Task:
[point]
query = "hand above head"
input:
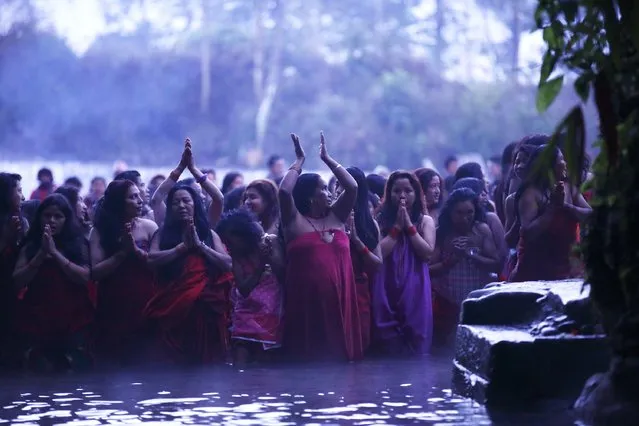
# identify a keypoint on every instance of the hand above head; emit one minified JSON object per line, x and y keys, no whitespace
{"x":187,"y":155}
{"x":323,"y":152}
{"x":299,"y":151}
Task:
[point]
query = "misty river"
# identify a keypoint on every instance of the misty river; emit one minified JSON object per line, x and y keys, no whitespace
{"x":415,"y":391}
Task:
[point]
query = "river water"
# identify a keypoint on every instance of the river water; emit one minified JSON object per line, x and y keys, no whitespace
{"x":371,"y":392}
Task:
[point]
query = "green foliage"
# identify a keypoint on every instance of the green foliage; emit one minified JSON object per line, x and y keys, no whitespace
{"x":598,"y":41}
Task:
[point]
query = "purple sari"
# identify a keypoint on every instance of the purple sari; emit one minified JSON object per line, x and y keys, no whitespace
{"x":402,"y":305}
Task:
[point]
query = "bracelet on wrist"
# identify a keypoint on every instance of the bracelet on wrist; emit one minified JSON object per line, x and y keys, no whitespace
{"x":174,"y":176}
{"x":365,"y":250}
{"x":201,"y":179}
{"x":295,"y":169}
{"x":411,"y":231}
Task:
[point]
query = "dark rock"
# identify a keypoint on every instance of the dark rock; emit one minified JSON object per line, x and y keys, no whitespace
{"x":517,"y":342}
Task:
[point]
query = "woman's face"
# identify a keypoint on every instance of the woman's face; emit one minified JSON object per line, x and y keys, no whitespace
{"x":53,"y":217}
{"x":81,"y":210}
{"x":521,"y":159}
{"x":463,"y":216}
{"x":254,"y":201}
{"x":133,"y":203}
{"x":402,"y":190}
{"x":433,"y":191}
{"x":183,"y":205}
{"x":98,"y":187}
{"x":561,"y":171}
{"x":17,"y":197}
{"x":237,"y":182}
{"x":322,"y":197}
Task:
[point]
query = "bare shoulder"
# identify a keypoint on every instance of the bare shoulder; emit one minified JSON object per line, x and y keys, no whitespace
{"x":483,"y":229}
{"x":492,"y":218}
{"x":427,"y":222}
{"x":147,"y":224}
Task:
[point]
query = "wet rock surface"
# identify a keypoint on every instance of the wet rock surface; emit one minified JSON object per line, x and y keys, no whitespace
{"x":527,"y":341}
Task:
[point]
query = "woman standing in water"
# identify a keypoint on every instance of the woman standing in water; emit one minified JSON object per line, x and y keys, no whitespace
{"x":464,"y":257}
{"x":549,"y":210}
{"x":119,"y":244}
{"x":12,"y":231}
{"x":257,"y":295}
{"x":192,"y":307}
{"x":366,"y":254}
{"x":322,"y":320}
{"x":55,"y":308}
{"x":402,"y":305}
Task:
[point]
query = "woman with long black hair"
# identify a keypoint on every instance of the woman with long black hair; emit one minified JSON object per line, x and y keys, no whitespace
{"x":55,"y":310}
{"x":192,"y":307}
{"x":366,"y":254}
{"x":120,"y":242}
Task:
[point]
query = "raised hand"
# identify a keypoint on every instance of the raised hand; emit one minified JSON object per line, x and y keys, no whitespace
{"x":187,"y":154}
{"x":350,"y":226}
{"x":48,"y":245}
{"x":299,"y":151}
{"x":404,"y":212}
{"x":197,"y":243}
{"x":128,"y":241}
{"x":266,"y":249}
{"x":323,"y":152}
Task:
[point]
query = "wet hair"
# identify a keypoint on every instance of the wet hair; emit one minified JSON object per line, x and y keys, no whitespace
{"x":476,"y":185}
{"x":445,"y":222}
{"x":132,"y":175}
{"x":304,"y":191}
{"x":273,"y":159}
{"x":472,"y":170}
{"x":110,"y":217}
{"x":69,"y":241}
{"x":535,"y":140}
{"x":73,"y":181}
{"x":450,"y":159}
{"x":376,"y":184}
{"x":388,"y":212}
{"x":8,"y":182}
{"x":241,"y":223}
{"x":71,"y":193}
{"x":269,"y":193}
{"x":538,"y":175}
{"x":364,"y":222}
{"x":425,"y":175}
{"x":228,"y":181}
{"x":28,"y":210}
{"x":233,"y":200}
{"x":171,"y":232}
{"x":44,"y":172}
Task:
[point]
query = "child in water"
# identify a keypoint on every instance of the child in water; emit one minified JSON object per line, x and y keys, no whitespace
{"x":257,"y":295}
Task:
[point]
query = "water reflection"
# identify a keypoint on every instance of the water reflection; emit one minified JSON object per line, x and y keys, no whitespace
{"x":374,"y":392}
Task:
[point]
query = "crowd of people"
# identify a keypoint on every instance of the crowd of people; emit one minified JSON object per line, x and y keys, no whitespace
{"x":290,"y":267}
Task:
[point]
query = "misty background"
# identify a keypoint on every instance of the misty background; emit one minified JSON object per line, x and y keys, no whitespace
{"x":390,"y":82}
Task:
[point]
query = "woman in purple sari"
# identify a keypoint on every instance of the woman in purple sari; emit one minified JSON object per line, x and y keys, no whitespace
{"x":402,"y":306}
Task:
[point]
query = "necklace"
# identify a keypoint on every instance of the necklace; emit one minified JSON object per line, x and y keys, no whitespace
{"x":326,"y":236}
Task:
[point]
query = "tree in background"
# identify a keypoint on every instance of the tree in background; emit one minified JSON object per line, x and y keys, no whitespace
{"x":598,"y":41}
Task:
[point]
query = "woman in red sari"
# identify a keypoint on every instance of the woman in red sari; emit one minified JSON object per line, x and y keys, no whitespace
{"x":549,"y":210}
{"x":120,"y":243}
{"x":12,"y":230}
{"x":192,"y":307}
{"x":366,"y":253}
{"x":321,"y":316}
{"x":55,"y":309}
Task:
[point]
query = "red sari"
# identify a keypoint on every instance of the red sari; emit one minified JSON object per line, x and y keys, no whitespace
{"x":192,"y":313}
{"x":547,"y":257}
{"x":122,"y":297}
{"x":321,"y":315}
{"x":363,"y":291}
{"x":53,"y":310}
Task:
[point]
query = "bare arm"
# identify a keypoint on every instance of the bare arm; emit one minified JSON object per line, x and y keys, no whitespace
{"x":372,"y":258}
{"x":423,"y":241}
{"x":512,"y":225}
{"x":26,"y":270}
{"x":532,"y":224}
{"x":498,"y":234}
{"x":79,"y":274}
{"x":288,"y":211}
{"x":579,"y":208}
{"x":217,"y":255}
{"x":159,"y":257}
{"x":487,"y":256}
{"x":103,"y":267}
{"x":387,"y":244}
{"x":217,"y":198}
{"x":158,"y":200}
{"x":343,"y":206}
{"x":246,"y":282}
